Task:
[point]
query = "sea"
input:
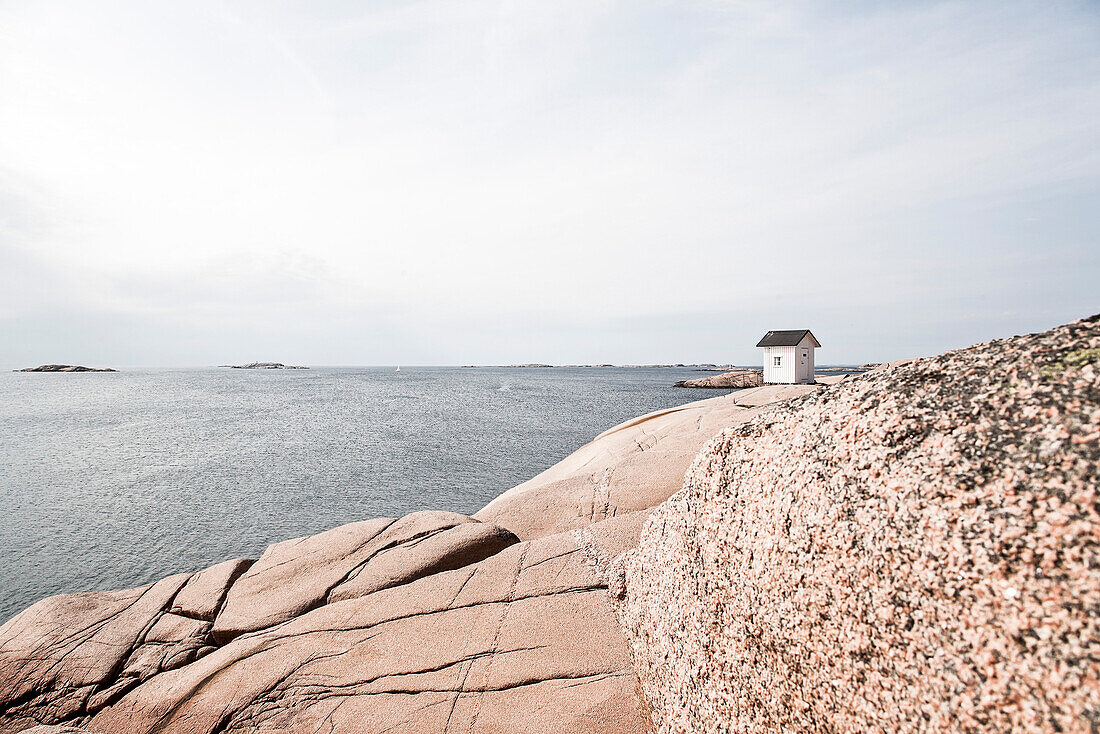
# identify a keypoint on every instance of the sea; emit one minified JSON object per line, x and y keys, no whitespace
{"x":113,"y":480}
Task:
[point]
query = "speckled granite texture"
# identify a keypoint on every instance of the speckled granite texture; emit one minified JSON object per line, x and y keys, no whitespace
{"x":916,"y":549}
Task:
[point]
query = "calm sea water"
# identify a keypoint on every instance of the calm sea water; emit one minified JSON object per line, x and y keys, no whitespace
{"x":111,"y":480}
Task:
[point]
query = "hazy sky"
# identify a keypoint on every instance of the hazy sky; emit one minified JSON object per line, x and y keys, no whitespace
{"x":446,"y":182}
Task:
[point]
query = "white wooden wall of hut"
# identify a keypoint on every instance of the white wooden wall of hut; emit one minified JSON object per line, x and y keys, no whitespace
{"x":785,"y":372}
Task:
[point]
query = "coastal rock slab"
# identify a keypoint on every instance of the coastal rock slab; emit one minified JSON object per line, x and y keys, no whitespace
{"x":295,"y":576}
{"x":204,"y":593}
{"x":69,"y":654}
{"x":916,"y":549}
{"x":633,"y":466}
{"x":525,"y":640}
{"x":457,"y":546}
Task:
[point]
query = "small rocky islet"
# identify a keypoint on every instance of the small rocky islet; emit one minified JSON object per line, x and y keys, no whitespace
{"x":735,"y":379}
{"x":265,"y":366}
{"x":911,"y":549}
{"x":65,"y":368}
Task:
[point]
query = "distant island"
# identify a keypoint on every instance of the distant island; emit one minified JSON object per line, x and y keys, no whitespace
{"x":264,"y":366}
{"x":64,"y":368}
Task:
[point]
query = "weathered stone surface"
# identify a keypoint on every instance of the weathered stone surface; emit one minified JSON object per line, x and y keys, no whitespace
{"x":204,"y":593}
{"x":727,"y":380}
{"x":66,"y":655}
{"x":631,"y":467}
{"x":457,"y":546}
{"x":295,"y":576}
{"x":172,"y":641}
{"x":916,"y":549}
{"x":522,"y":641}
{"x":890,"y":365}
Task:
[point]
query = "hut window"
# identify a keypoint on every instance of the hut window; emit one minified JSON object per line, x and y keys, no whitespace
{"x":777,"y":361}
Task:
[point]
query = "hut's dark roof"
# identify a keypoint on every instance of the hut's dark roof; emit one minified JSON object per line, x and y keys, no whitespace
{"x":787,"y":338}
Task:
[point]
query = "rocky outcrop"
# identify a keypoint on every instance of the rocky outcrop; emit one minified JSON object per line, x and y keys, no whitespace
{"x":65,"y":368}
{"x":296,"y":576}
{"x":633,"y":466}
{"x":265,"y":366}
{"x":72,"y":656}
{"x":916,"y":549}
{"x":524,"y":640}
{"x":726,"y":380}
{"x":890,"y":365}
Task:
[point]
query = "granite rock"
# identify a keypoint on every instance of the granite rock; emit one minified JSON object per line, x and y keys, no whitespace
{"x":633,"y":466}
{"x":726,"y":380}
{"x":68,"y":655}
{"x":913,"y":550}
{"x":525,"y":640}
{"x":298,"y":575}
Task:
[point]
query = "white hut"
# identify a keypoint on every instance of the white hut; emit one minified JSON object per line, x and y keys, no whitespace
{"x":789,"y":356}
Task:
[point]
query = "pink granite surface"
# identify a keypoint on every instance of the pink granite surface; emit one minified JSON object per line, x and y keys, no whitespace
{"x":916,"y":549}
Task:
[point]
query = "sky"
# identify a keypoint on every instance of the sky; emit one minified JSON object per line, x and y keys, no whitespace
{"x":439,"y":182}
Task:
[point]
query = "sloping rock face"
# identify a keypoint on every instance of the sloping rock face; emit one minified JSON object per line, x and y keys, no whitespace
{"x":734,"y":379}
{"x":633,"y":466}
{"x":917,"y":549}
{"x":296,"y":576}
{"x":524,"y":640}
{"x":71,"y":655}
